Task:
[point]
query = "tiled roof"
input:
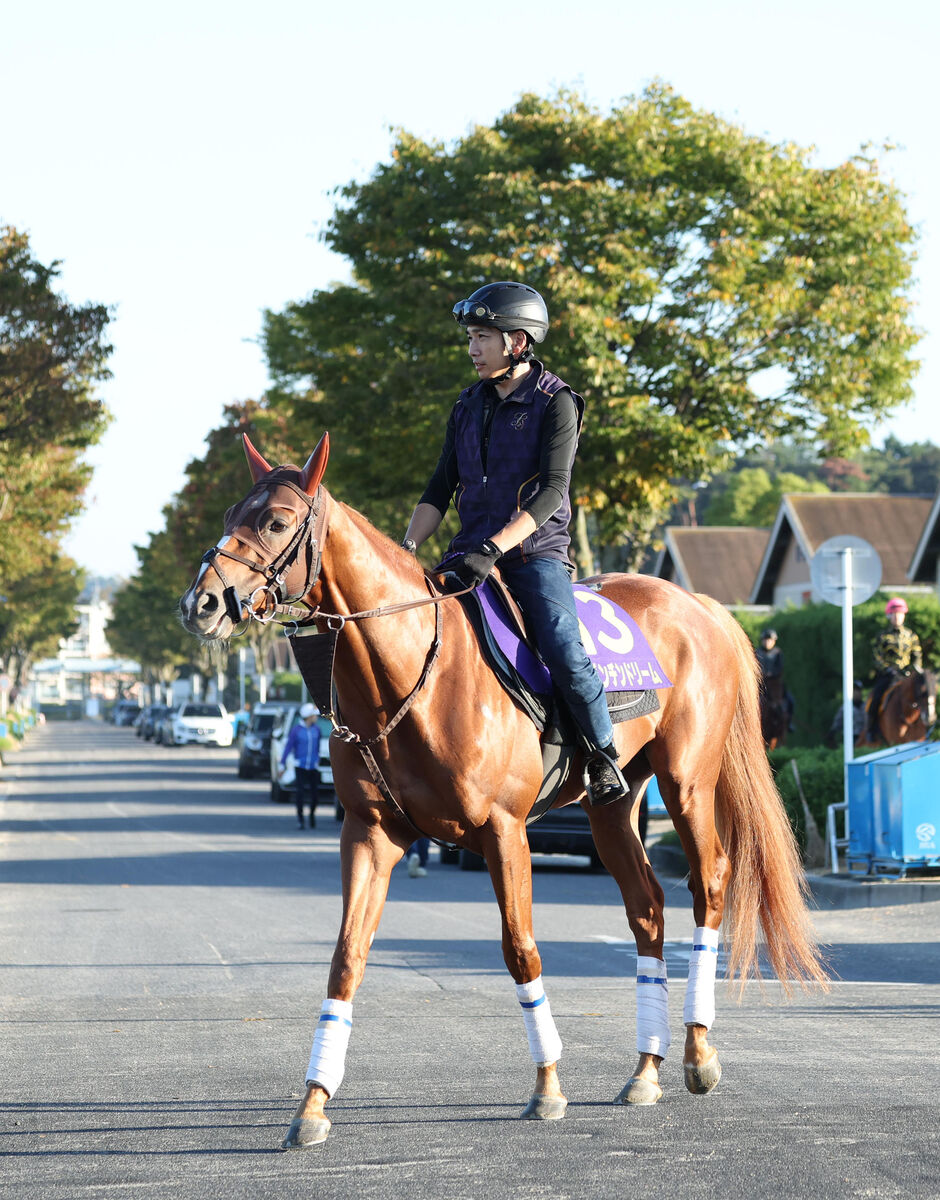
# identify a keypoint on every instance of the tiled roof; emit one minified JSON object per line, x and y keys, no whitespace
{"x":892,"y":524}
{"x":721,"y":561}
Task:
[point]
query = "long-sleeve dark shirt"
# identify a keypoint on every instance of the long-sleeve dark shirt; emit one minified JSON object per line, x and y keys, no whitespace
{"x":559,"y":442}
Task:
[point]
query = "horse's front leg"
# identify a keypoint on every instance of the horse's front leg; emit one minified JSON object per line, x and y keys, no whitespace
{"x":510,"y":867}
{"x":367,"y":854}
{"x":617,"y":839}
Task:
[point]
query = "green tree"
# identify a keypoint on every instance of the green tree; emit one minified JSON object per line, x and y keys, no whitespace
{"x":53,"y":355}
{"x":902,"y":468}
{"x":144,"y":624}
{"x":707,"y":289}
{"x":752,"y":497}
{"x":37,"y":609}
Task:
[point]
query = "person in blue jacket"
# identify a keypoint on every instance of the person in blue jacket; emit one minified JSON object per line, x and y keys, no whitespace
{"x":506,"y":462}
{"x":303,"y":742}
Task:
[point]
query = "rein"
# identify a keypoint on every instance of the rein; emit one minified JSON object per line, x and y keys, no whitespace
{"x":315,"y":656}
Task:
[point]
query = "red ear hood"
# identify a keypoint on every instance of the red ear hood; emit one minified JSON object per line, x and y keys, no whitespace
{"x":256,"y":464}
{"x":315,"y":467}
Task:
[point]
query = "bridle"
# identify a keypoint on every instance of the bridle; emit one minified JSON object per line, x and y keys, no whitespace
{"x":275,"y":593}
{"x":279,"y":599}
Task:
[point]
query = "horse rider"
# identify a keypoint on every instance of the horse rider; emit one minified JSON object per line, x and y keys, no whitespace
{"x":896,"y":651}
{"x":770,"y":660}
{"x":770,"y":656}
{"x":508,"y":451}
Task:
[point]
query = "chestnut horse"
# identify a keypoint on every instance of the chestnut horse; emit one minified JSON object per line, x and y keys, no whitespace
{"x":450,"y":754}
{"x":908,"y":709}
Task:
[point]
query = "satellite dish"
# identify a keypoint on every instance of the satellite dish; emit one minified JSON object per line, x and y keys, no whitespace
{"x":845,"y":558}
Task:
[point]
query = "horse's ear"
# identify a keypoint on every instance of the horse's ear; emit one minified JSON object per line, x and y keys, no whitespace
{"x":315,"y":467}
{"x":256,"y":464}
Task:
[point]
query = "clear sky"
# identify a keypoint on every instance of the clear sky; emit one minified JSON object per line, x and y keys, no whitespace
{"x":179,"y":159}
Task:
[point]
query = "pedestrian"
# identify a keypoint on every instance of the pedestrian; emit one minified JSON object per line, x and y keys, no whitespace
{"x":896,"y":651}
{"x":240,"y":721}
{"x":303,"y":742}
{"x":417,"y":858}
{"x":507,"y":455}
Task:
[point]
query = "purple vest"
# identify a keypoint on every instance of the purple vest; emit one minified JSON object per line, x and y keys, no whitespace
{"x":486,"y":503}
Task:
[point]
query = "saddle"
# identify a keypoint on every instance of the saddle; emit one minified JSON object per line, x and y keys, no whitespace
{"x":621,"y":655}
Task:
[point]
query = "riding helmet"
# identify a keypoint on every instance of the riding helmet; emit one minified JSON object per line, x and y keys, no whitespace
{"x":769,"y":633}
{"x":896,"y":604}
{"x":505,"y":306}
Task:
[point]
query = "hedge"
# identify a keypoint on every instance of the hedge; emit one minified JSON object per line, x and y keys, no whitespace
{"x":821,"y":777}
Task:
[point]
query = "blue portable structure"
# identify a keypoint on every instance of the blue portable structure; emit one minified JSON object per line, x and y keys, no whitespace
{"x":654,"y":800}
{"x":894,"y":810}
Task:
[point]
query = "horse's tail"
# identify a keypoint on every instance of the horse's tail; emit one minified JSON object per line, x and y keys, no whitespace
{"x":768,"y":890}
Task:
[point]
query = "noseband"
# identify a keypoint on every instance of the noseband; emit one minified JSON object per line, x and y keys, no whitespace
{"x":308,"y":537}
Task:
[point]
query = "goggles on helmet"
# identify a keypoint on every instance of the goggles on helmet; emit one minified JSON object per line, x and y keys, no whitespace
{"x":466,"y":310}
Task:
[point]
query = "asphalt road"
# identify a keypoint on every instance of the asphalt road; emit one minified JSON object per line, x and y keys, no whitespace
{"x":166,"y":933}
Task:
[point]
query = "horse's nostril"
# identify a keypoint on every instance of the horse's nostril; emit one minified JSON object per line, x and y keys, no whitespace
{"x":206,"y":604}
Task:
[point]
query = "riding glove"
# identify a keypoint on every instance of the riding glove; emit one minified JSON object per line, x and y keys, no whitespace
{"x":474,"y":566}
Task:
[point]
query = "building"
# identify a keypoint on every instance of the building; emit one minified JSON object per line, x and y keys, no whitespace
{"x":721,"y":561}
{"x":893,"y":525}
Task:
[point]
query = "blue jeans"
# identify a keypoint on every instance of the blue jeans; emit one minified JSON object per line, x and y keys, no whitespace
{"x":420,"y":847}
{"x":543,"y":588}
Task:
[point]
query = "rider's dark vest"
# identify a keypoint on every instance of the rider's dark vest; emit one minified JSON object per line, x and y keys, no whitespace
{"x":487,"y":502}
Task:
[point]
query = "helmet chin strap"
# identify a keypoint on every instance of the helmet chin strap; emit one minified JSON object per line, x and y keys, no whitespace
{"x":515,"y":360}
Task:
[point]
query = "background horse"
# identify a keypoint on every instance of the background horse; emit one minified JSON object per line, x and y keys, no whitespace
{"x":774,"y":718}
{"x":427,"y":738}
{"x":908,"y":709}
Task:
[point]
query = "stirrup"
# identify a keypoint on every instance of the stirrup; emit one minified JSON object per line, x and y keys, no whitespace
{"x":611,"y":797}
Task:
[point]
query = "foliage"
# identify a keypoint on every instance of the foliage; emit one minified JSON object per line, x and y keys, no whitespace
{"x":708,"y":290}
{"x":53,"y":354}
{"x":822,"y":776}
{"x":145,"y":624}
{"x":901,"y":468}
{"x":751,"y":497}
{"x":37,"y":610}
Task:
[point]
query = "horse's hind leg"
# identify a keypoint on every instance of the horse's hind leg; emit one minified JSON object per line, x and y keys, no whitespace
{"x":621,"y":852}
{"x":510,"y":867}
{"x":368,"y":855}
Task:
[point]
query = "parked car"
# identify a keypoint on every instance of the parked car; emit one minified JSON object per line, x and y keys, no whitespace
{"x":561,"y":831}
{"x":197,"y":722}
{"x":125,"y":712}
{"x":254,"y":756}
{"x":282,"y":790}
{"x":149,"y":718}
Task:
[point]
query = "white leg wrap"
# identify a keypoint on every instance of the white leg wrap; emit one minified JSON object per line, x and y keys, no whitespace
{"x":544,"y":1042}
{"x":652,"y":1006}
{"x":699,"y":1006}
{"x":328,"y":1056}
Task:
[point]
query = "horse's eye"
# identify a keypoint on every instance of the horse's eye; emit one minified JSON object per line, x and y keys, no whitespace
{"x":277,"y":526}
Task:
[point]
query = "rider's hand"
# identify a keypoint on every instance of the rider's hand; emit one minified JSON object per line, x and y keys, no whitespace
{"x":474,"y":566}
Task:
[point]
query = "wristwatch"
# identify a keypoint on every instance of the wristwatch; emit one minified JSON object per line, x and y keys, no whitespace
{"x":410,"y":545}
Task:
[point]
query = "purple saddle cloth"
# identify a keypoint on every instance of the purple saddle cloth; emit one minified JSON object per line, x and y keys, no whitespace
{"x":613,"y":640}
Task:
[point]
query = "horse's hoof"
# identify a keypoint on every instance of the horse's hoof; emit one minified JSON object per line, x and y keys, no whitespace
{"x":305,"y":1132}
{"x":701,"y":1079}
{"x":640,"y":1091}
{"x":545,"y":1108}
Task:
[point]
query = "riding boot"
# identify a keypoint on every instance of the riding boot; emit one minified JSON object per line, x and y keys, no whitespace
{"x":603,"y":779}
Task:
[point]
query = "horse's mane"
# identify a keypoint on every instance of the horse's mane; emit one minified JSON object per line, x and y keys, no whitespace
{"x":405,"y":563}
